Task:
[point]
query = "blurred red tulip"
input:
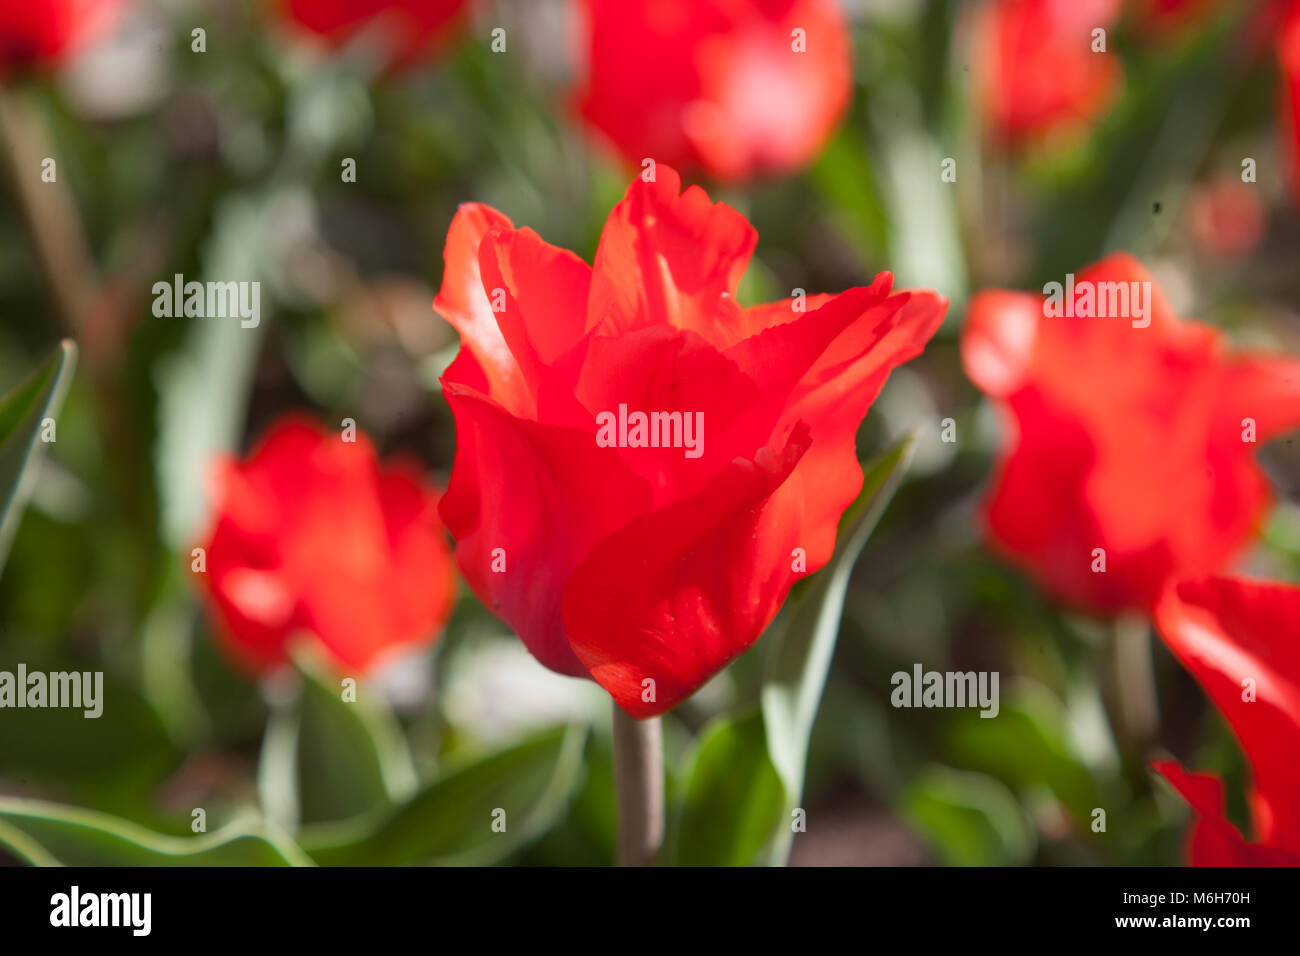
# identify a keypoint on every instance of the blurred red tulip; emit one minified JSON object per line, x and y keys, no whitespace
{"x":659,"y":556}
{"x":1037,"y":70}
{"x":311,"y":535}
{"x":737,"y":87}
{"x":44,"y":33}
{"x":410,"y":29}
{"x":1239,"y":639}
{"x":1136,"y":441}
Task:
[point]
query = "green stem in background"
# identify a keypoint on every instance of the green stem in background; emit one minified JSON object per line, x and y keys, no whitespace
{"x":47,"y":212}
{"x":639,"y":783}
{"x":1135,"y":714}
{"x":94,"y":312}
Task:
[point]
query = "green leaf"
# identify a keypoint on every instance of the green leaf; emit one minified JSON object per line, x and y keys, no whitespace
{"x":351,"y":756}
{"x":203,"y":387}
{"x":924,"y":243}
{"x":277,"y":769}
{"x":450,"y":822}
{"x":1027,"y":746}
{"x":47,"y":834}
{"x":848,"y":180}
{"x":734,"y":797}
{"x":969,"y":819}
{"x":21,"y":413}
{"x":115,"y":760}
{"x":802,"y":642}
{"x":585,"y":835}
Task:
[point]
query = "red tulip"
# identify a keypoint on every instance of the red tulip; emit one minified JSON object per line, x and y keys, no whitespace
{"x":311,"y":535}
{"x":410,"y":29}
{"x":1037,"y":72}
{"x":1239,"y":639}
{"x":43,"y":33}
{"x":1136,"y":441}
{"x":737,"y":87}
{"x":651,"y":568}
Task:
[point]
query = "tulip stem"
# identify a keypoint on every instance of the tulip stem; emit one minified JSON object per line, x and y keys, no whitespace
{"x":47,"y":212}
{"x":639,"y":783}
{"x":1134,"y":684}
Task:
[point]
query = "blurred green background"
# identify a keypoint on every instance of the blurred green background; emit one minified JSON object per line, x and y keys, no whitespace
{"x":228,"y":163}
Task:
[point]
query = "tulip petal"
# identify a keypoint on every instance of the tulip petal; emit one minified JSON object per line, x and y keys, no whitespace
{"x":827,"y":367}
{"x":1038,"y":72}
{"x":255,"y":605}
{"x":667,"y":258}
{"x":424,"y":588}
{"x":1212,"y":841}
{"x":835,"y":395}
{"x":545,"y":496}
{"x":1264,"y":389}
{"x":997,"y":343}
{"x":666,"y":370}
{"x":740,"y":88}
{"x":1235,"y":636}
{"x":540,"y":296}
{"x":769,"y":106}
{"x":52,"y":32}
{"x":756,"y":318}
{"x":547,"y":285}
{"x":680,"y":592}
{"x":788,"y":351}
{"x":463,"y":301}
{"x":641,"y":73}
